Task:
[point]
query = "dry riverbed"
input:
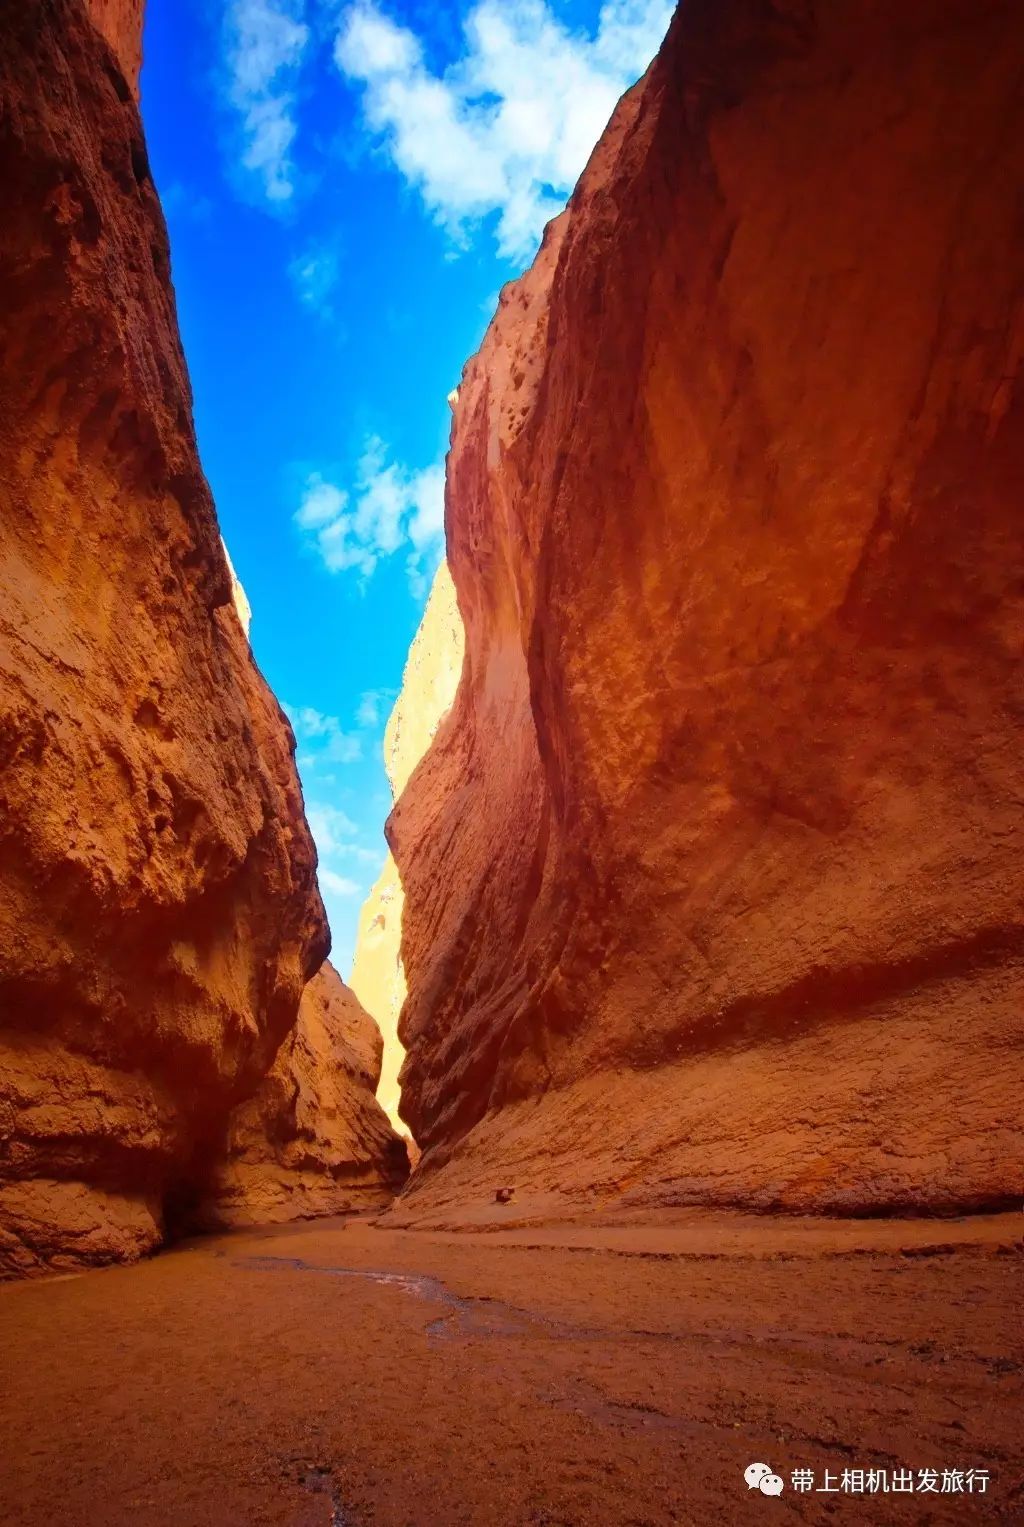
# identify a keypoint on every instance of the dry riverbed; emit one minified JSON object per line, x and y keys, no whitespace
{"x":601,"y":1372}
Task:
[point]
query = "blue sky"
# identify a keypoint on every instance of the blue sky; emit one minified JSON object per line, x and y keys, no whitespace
{"x":347,"y":187}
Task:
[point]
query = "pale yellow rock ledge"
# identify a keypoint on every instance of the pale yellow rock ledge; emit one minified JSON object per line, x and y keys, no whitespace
{"x":431,"y":677}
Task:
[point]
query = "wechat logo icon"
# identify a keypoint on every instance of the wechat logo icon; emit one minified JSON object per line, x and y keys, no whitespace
{"x":759,"y":1476}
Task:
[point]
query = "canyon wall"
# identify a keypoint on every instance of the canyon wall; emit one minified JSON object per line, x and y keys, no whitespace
{"x":313,"y":1140}
{"x":429,"y":682}
{"x":119,"y":22}
{"x":159,"y":915}
{"x":713,"y":875}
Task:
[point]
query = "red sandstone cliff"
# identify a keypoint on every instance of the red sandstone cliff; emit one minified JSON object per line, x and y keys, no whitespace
{"x":120,"y":24}
{"x":159,"y":916}
{"x":313,"y":1140}
{"x":713,"y":876}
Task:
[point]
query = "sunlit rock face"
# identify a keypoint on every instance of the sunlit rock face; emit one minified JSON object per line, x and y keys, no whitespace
{"x":378,"y":978}
{"x":712,"y":876}
{"x":313,"y":1140}
{"x":159,"y":916}
{"x":119,"y":22}
{"x":239,"y":598}
{"x":429,"y":683}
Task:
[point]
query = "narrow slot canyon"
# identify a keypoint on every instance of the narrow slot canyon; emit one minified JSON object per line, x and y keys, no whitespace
{"x":625,"y":1125}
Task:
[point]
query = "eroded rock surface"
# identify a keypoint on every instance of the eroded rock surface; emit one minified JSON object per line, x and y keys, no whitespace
{"x":119,"y":22}
{"x":159,"y":916}
{"x":429,"y":682}
{"x":313,"y":1140}
{"x":713,"y":879}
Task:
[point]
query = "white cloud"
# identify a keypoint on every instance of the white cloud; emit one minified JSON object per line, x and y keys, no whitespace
{"x":373,"y":706}
{"x":266,"y":42}
{"x":630,"y":32}
{"x":379,"y":45}
{"x":426,"y":492}
{"x":371,"y":856}
{"x":326,"y":739}
{"x":307,"y":722}
{"x":346,"y":867}
{"x":333,"y":831}
{"x":338,"y":885}
{"x":390,"y":507}
{"x":508,"y":128}
{"x":315,"y":275}
{"x":322,"y":503}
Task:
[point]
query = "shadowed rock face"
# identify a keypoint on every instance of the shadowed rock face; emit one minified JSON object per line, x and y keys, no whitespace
{"x":159,"y":915}
{"x":313,"y":1140}
{"x":713,"y":875}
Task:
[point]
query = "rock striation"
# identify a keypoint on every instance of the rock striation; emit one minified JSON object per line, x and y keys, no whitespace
{"x":713,"y":876}
{"x":159,"y":916}
{"x":313,"y":1140}
{"x":429,"y":682}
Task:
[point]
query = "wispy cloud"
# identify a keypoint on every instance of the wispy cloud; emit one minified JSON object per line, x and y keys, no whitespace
{"x":332,"y":830}
{"x":344,"y":862}
{"x":314,"y":275}
{"x":265,"y":44}
{"x":509,"y":127}
{"x":373,"y":707}
{"x":389,"y":508}
{"x":326,"y":739}
{"x":339,"y":885}
{"x":349,"y":852}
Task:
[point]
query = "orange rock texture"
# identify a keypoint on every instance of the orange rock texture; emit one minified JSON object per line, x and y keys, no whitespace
{"x":713,"y":875}
{"x":429,"y":683}
{"x":119,"y":22}
{"x":159,"y":916}
{"x":313,"y":1140}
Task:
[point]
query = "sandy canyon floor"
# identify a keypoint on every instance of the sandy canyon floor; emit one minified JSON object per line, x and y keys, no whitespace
{"x":597,"y":1373}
